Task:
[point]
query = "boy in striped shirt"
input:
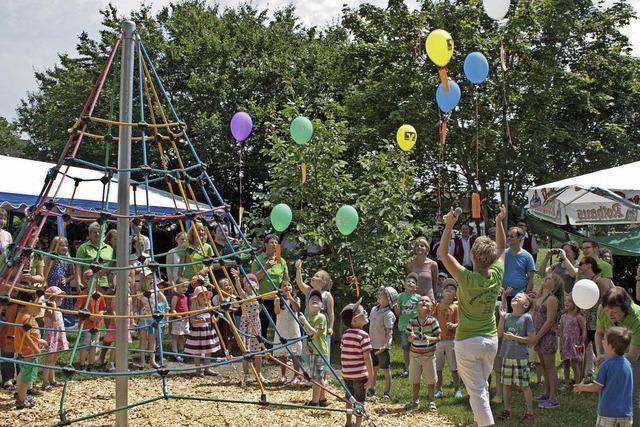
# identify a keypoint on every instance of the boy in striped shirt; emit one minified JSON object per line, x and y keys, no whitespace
{"x":355,"y":358}
{"x":423,"y":333}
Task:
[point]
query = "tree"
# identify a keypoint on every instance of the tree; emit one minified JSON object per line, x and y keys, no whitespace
{"x":10,"y":142}
{"x":385,"y":198}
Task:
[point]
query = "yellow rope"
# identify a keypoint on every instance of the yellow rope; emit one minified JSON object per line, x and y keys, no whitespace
{"x":142,"y":316}
{"x":117,"y":123}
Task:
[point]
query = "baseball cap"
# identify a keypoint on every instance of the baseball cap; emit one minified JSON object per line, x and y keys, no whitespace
{"x":315,"y":293}
{"x":347,"y":312}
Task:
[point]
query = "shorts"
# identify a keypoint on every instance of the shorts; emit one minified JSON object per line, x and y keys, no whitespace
{"x":28,"y":373}
{"x":444,"y":351}
{"x":356,"y":388}
{"x":614,"y":422}
{"x":87,"y":339}
{"x":404,"y":340}
{"x":422,"y":365}
{"x":382,"y":360}
{"x":316,"y":366}
{"x":515,"y":372}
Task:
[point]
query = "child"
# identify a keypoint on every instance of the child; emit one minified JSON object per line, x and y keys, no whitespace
{"x":288,"y":328}
{"x":407,"y":301}
{"x":27,"y":345}
{"x":224,"y":328}
{"x":545,"y":342}
{"x":55,"y":335}
{"x":250,"y":326}
{"x":90,"y":337}
{"x":614,"y":381}
{"x":573,"y":334}
{"x":355,"y":357}
{"x":5,"y":237}
{"x":516,"y":330}
{"x":424,"y":333}
{"x":202,"y":339}
{"x":150,"y":301}
{"x":110,"y":335}
{"x":179,"y":325}
{"x":446,"y":313}
{"x":321,"y":281}
{"x":316,"y":327}
{"x":381,"y":330}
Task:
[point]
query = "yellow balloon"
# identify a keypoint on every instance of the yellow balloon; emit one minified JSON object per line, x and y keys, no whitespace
{"x":406,"y":137}
{"x":439,"y":46}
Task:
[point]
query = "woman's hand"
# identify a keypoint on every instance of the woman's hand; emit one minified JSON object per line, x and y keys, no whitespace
{"x":298,"y":264}
{"x":450,"y":218}
{"x":502,"y":214}
{"x":270,"y":263}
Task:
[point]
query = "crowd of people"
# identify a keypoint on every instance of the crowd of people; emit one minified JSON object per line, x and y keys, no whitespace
{"x":468,"y":303}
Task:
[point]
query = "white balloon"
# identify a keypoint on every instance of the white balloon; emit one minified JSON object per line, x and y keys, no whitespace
{"x":585,"y":294}
{"x":496,"y":9}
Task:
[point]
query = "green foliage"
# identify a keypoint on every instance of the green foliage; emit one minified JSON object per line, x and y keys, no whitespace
{"x":380,"y":185}
{"x":10,"y":143}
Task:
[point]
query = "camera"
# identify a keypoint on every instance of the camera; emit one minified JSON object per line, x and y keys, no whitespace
{"x":554,"y":251}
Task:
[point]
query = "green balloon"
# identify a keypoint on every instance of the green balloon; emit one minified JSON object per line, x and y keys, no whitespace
{"x":347,"y":219}
{"x":281,"y":217}
{"x":301,"y":130}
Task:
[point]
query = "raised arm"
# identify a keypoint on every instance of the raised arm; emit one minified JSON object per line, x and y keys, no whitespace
{"x":450,"y":263}
{"x":501,"y":238}
{"x":304,"y":288}
{"x":330,"y":313}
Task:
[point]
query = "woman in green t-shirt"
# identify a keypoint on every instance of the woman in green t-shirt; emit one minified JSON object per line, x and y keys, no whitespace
{"x":196,"y":249}
{"x":618,"y":309}
{"x":277,"y":268}
{"x":476,"y":341}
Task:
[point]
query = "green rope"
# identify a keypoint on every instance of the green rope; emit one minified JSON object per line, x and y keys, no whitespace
{"x":259,"y":403}
{"x":108,"y":412}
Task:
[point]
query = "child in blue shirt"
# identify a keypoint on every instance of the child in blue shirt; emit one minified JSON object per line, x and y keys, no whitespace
{"x":614,"y":381}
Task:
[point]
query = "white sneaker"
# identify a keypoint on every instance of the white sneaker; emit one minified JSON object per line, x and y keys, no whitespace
{"x":111,"y":367}
{"x":438,"y":394}
{"x":432,"y":406}
{"x":458,"y":394}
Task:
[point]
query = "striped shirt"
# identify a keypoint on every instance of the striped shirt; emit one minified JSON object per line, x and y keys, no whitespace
{"x":423,"y":329}
{"x":355,"y":343}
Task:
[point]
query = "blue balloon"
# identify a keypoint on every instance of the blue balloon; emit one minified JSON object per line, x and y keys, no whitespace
{"x":447,"y":100}
{"x":476,"y":68}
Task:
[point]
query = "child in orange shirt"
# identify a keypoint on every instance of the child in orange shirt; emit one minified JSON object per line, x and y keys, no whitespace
{"x":90,"y":337}
{"x":27,"y":346}
{"x":447,"y":314}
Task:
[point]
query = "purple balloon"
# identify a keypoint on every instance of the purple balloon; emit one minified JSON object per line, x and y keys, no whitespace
{"x":241,"y":125}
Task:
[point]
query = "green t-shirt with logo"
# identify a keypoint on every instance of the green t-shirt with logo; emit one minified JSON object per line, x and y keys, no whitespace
{"x":319,"y":323}
{"x":277,"y":273}
{"x":631,"y":322}
{"x":477,"y":297}
{"x":407,"y":305}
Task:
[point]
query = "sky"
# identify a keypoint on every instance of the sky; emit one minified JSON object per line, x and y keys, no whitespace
{"x":33,"y":32}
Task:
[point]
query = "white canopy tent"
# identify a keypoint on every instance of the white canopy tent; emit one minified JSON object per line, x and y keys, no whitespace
{"x":21,"y":181}
{"x":609,"y":196}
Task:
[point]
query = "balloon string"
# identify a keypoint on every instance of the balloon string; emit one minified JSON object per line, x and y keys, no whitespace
{"x":442,"y":128}
{"x":503,"y":71}
{"x":355,"y":282}
{"x":303,"y":178}
{"x":240,"y":173}
{"x":477,"y":135}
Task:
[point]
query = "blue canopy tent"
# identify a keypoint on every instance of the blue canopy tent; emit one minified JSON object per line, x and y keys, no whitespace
{"x":22,"y":180}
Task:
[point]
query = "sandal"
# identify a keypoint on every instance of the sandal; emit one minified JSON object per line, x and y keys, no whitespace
{"x":8,"y":386}
{"x":505,"y":415}
{"x":45,"y":387}
{"x":323,"y":403}
{"x":210,"y":373}
{"x":55,"y":384}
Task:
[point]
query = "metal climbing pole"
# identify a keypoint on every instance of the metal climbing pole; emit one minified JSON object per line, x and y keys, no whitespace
{"x":122,"y":256}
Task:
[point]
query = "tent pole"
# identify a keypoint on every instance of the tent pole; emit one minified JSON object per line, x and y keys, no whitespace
{"x":122,"y":256}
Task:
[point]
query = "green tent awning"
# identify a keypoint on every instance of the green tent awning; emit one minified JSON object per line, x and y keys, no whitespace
{"x":623,"y":243}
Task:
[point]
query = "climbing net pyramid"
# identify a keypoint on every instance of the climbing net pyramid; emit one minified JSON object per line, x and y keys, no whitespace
{"x":168,"y":158}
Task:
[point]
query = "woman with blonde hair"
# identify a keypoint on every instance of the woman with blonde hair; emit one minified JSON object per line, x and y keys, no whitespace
{"x":476,"y":339}
{"x":425,"y":268}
